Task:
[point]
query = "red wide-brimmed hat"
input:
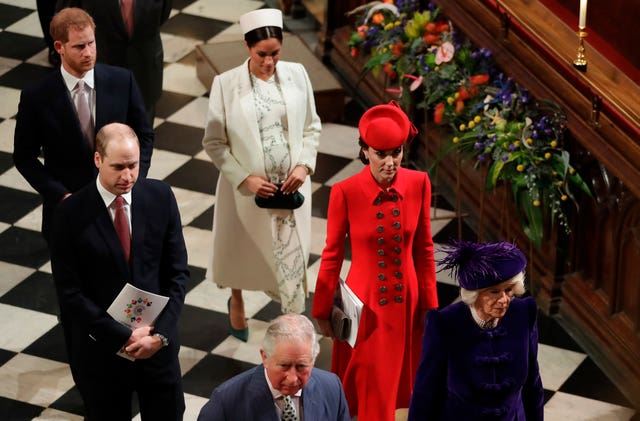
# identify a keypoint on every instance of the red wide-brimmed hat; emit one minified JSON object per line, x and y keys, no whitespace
{"x":386,"y":127}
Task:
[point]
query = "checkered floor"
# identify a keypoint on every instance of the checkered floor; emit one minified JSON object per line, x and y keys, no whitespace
{"x":35,"y":381}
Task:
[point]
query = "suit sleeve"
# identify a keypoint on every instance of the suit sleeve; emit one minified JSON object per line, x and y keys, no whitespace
{"x":431,"y":378}
{"x":27,"y":146}
{"x":423,"y":252}
{"x":332,"y":255}
{"x":532,"y":391}
{"x":312,"y":127}
{"x":137,"y":119}
{"x":70,"y":282}
{"x":174,"y":271}
{"x":213,"y":410}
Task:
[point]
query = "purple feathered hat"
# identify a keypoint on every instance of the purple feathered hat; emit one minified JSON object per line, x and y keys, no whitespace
{"x":481,"y":265}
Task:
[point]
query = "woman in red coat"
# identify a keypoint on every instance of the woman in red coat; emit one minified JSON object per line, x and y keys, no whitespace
{"x":384,"y":212}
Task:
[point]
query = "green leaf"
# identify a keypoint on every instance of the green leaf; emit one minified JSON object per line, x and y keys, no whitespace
{"x":493,"y":174}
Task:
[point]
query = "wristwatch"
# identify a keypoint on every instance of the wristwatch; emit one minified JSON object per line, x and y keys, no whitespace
{"x":164,"y":339}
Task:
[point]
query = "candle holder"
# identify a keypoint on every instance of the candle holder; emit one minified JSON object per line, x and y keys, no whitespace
{"x":580,"y":62}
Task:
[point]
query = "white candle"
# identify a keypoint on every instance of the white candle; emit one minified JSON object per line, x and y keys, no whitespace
{"x":583,"y":14}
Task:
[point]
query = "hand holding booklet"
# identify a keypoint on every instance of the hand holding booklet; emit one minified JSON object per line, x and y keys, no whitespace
{"x":345,"y":315}
{"x":136,"y":308}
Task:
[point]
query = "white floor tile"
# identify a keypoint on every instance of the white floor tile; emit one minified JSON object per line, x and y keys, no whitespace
{"x":352,"y":168}
{"x":199,"y":244}
{"x":27,"y":4}
{"x":51,"y":414}
{"x":193,"y":114}
{"x":7,"y":129}
{"x":244,"y":351}
{"x":194,"y":404}
{"x":566,"y":407}
{"x":339,"y":140}
{"x":4,"y":226}
{"x":164,"y":163}
{"x":31,"y":221}
{"x":20,"y":327}
{"x":191,"y":203}
{"x":46,"y":267}
{"x":7,"y":64}
{"x":228,"y":11}
{"x":232,"y":33}
{"x":318,"y":234}
{"x":181,"y":78}
{"x":12,"y":275}
{"x":13,"y":179}
{"x":9,"y":103}
{"x":29,"y":25}
{"x":209,"y":296}
{"x":557,"y":364}
{"x":41,"y":58}
{"x":176,"y":47}
{"x":188,"y":358}
{"x":35,"y":380}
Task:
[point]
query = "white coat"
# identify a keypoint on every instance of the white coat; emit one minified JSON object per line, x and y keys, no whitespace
{"x":242,"y":240}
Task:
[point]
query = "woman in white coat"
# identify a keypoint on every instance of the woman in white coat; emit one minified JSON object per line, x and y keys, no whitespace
{"x":262,"y":134}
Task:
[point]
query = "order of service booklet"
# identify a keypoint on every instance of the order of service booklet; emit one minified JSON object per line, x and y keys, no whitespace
{"x":352,"y":308}
{"x":135,"y":307}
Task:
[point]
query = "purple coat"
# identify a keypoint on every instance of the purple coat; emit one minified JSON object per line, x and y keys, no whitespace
{"x":467,"y":373}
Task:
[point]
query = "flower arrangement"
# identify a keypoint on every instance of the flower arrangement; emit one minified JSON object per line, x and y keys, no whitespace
{"x":492,"y":120}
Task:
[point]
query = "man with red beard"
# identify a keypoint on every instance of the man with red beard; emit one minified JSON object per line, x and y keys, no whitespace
{"x":59,"y":116}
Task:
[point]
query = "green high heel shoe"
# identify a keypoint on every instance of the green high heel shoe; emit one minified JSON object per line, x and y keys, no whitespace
{"x":242,"y":334}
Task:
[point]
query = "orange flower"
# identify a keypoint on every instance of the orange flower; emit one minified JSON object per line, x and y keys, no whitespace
{"x":354,"y":52}
{"x":397,"y":48}
{"x":459,"y":106}
{"x":438,"y":112}
{"x":431,"y":39}
{"x":389,"y":70}
{"x":479,"y":79}
{"x":430,"y":27}
{"x":465,"y":92}
{"x":442,"y":27}
{"x":377,"y":19}
{"x":388,"y":1}
{"x":362,"y":31}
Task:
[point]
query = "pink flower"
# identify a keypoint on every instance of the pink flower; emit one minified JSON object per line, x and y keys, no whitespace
{"x":397,"y":91}
{"x":445,"y":52}
{"x":417,"y":81}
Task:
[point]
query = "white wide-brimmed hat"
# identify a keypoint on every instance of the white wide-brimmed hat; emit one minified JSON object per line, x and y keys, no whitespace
{"x":259,"y":18}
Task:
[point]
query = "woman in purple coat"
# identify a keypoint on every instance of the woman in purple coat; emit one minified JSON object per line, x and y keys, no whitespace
{"x":479,"y":356}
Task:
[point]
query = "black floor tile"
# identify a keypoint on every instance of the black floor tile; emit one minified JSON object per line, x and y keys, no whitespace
{"x":5,"y":356}
{"x":327,"y":166}
{"x":446,"y":294}
{"x":6,"y":161}
{"x":184,"y":178}
{"x":18,"y":46}
{"x":320,"y":202}
{"x":11,"y":14}
{"x":202,"y":329}
{"x":590,"y":382}
{"x":178,"y":138}
{"x":51,"y":346}
{"x":210,"y":372}
{"x":23,"y":247}
{"x":181,"y":4}
{"x":196,"y":27}
{"x":70,"y":402}
{"x":37,"y":292}
{"x":170,"y":102}
{"x":23,"y":75}
{"x":196,"y":276}
{"x":455,"y":230}
{"x":204,"y":221}
{"x":551,"y":333}
{"x":18,"y":411}
{"x":16,"y":203}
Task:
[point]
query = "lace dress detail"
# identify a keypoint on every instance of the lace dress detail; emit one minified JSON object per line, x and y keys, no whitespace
{"x":287,"y":248}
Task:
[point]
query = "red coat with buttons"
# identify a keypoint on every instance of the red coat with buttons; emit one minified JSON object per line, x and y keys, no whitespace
{"x":393,"y":273}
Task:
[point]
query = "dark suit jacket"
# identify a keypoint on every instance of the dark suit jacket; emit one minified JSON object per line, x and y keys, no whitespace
{"x":47,"y":121}
{"x":89,"y":269}
{"x":246,"y":397}
{"x":142,"y":53}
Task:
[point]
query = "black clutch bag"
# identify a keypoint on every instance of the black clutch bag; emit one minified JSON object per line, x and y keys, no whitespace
{"x":340,"y":323}
{"x":281,"y":201}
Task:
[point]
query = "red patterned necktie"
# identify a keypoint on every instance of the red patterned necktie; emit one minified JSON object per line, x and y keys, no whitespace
{"x":122,"y":227}
{"x":126,"y":8}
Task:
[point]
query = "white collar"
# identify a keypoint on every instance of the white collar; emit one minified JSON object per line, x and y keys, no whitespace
{"x":109,"y":197}
{"x":71,"y":81}
{"x":275,"y":392}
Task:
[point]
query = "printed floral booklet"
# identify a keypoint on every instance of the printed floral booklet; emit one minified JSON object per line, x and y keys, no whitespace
{"x":136,"y":308}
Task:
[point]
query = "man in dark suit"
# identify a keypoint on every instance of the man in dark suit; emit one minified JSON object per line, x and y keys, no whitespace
{"x":136,"y":46}
{"x":92,"y":260}
{"x":48,"y":120}
{"x":285,"y":386}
